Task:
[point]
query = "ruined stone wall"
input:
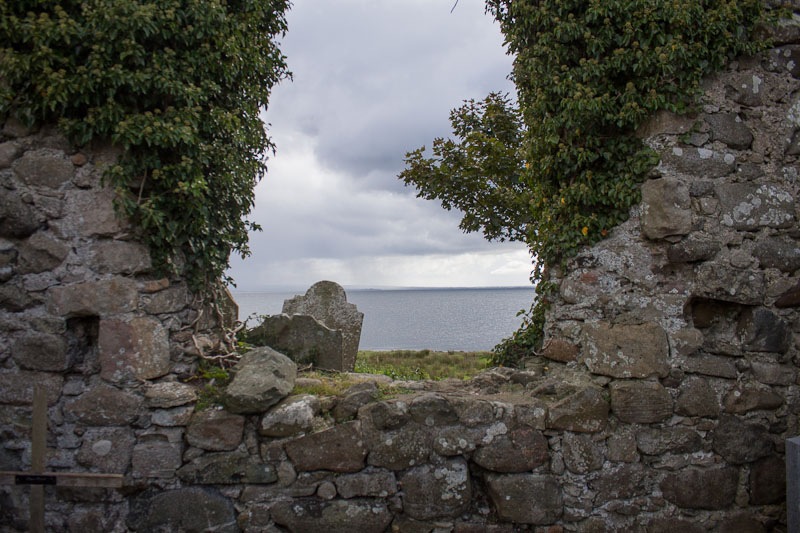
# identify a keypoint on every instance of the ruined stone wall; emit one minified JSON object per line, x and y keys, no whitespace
{"x":666,"y":388}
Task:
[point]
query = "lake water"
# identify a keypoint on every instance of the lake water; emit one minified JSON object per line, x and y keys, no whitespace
{"x":416,"y":319}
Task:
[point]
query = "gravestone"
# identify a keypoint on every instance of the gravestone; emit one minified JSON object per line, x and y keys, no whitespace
{"x":327,"y":302}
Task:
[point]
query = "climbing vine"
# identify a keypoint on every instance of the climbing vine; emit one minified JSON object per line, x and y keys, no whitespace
{"x":587,"y":72}
{"x":178,"y":85}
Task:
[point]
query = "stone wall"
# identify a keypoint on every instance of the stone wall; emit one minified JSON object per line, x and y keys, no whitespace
{"x":662,"y":398}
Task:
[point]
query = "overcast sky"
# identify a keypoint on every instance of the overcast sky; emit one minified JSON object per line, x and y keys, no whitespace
{"x":372,"y":80}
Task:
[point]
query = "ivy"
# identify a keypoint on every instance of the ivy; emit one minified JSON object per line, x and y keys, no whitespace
{"x":587,"y":73}
{"x":178,"y":85}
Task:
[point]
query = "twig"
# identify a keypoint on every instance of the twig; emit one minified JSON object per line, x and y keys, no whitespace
{"x":454,"y":6}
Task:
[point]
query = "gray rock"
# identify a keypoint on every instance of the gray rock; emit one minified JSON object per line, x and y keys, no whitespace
{"x":385,"y":415}
{"x":107,"y":449}
{"x":16,"y":386}
{"x":768,"y":481}
{"x":697,"y":398}
{"x":747,"y":206}
{"x":741,"y":523}
{"x":154,"y":456}
{"x":40,"y":253}
{"x":457,"y":440}
{"x":670,"y":525}
{"x":620,"y":483}
{"x":773,"y":373}
{"x":511,"y":496}
{"x":584,"y":411}
{"x":9,"y":151}
{"x":666,"y":208}
{"x":693,"y":488}
{"x":746,"y":88}
{"x":119,"y":257}
{"x":339,"y":449}
{"x":622,"y":446}
{"x":519,"y":450}
{"x":657,"y":441}
{"x":13,"y":297}
{"x":94,"y":298}
{"x":400,"y":449}
{"x":169,"y":394}
{"x":437,"y":491}
{"x":761,"y":330}
{"x":622,"y":351}
{"x":785,"y":59}
{"x":432,"y":410}
{"x":169,"y":300}
{"x":215,"y":429}
{"x":91,"y":213}
{"x":751,"y":398}
{"x":45,"y":168}
{"x":17,"y":219}
{"x":354,"y":398}
{"x":739,"y":443}
{"x":710,"y":365}
{"x":42,"y":351}
{"x":314,"y":516}
{"x":729,"y":128}
{"x":371,"y":482}
{"x":227,"y":468}
{"x":728,"y":284}
{"x":262,"y":378}
{"x":185,"y":509}
{"x":581,"y":454}
{"x":790,"y":298}
{"x":560,"y":350}
{"x":693,"y":249}
{"x":327,"y":302}
{"x":134,"y":349}
{"x":103,"y":405}
{"x":176,"y":416}
{"x":699,"y":162}
{"x":782,"y":253}
{"x":640,"y":402}
{"x":293,"y":415}
{"x":303,"y":338}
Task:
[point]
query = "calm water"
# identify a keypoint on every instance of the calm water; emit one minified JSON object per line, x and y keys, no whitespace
{"x":437,"y":319}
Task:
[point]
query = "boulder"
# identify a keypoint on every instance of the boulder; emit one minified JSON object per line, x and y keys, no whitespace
{"x":261,"y":378}
{"x":293,"y":415}
{"x":400,"y":449}
{"x":327,"y":302}
{"x":303,"y":338}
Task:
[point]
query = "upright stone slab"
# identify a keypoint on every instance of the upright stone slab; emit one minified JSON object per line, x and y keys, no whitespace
{"x":327,"y":302}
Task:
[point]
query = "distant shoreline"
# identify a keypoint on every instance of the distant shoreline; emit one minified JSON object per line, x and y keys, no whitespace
{"x":384,"y":289}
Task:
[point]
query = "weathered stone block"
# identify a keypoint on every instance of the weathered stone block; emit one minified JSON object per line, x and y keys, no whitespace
{"x":371,"y":482}
{"x":103,"y":405}
{"x":41,"y":351}
{"x":40,"y":253}
{"x":762,"y":330}
{"x":339,"y":449}
{"x":45,"y":168}
{"x":666,"y":208}
{"x":711,"y":365}
{"x":620,"y":483}
{"x":697,"y":398}
{"x":747,"y":206}
{"x":729,"y":128}
{"x":785,"y":59}
{"x":670,"y":525}
{"x":327,"y":302}
{"x":768,"y":481}
{"x":170,"y":300}
{"x":581,"y":454}
{"x":746,"y":88}
{"x":175,"y":416}
{"x":520,"y":450}
{"x":751,"y":398}
{"x":622,"y":445}
{"x":773,"y":373}
{"x":585,"y":411}
{"x":107,"y":449}
{"x":385,"y":415}
{"x":262,"y":378}
{"x":154,"y":456}
{"x":640,"y":402}
{"x":432,"y":410}
{"x":622,"y":351}
{"x":16,"y":386}
{"x":354,"y":398}
{"x":400,"y":449}
{"x":119,"y":257}
{"x":700,"y":162}
{"x":526,"y":498}
{"x":664,"y":122}
{"x":302,"y":337}
{"x":782,"y":253}
{"x":9,"y":151}
{"x":437,"y":491}
{"x":134,"y":349}
{"x":185,"y":509}
{"x":169,"y":394}
{"x":13,"y":297}
{"x":313,"y":516}
{"x":92,"y":213}
{"x":17,"y":219}
{"x":692,"y":249}
{"x":728,"y":284}
{"x":693,"y":488}
{"x":94,"y":298}
{"x":790,"y":298}
{"x":227,"y":468}
{"x":293,"y":415}
{"x":739,"y":443}
{"x":457,"y":440}
{"x":215,"y":429}
{"x":652,"y":441}
{"x":560,"y":350}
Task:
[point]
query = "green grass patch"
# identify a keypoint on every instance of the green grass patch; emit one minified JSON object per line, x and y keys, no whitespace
{"x":423,"y":364}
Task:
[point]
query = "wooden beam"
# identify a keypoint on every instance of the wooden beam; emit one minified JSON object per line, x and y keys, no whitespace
{"x":38,"y":457}
{"x":61,"y":479}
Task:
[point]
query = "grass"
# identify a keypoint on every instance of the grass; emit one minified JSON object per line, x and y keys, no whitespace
{"x":423,"y":364}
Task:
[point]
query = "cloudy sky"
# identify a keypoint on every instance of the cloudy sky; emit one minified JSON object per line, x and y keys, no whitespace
{"x":372,"y":80}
